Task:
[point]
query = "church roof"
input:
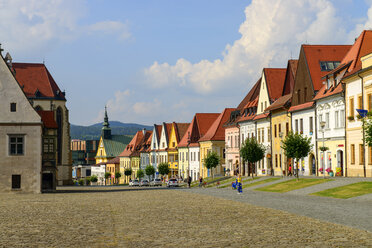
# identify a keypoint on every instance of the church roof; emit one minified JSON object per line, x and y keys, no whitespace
{"x":36,"y":81}
{"x":115,"y":145}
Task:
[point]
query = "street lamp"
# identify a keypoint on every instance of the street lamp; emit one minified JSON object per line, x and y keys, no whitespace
{"x":281,"y":136}
{"x":322,"y":125}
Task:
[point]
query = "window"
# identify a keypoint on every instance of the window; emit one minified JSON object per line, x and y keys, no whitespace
{"x":342,"y":118}
{"x":259,"y":135}
{"x":360,"y":102}
{"x":48,"y":145}
{"x":369,"y":155}
{"x":305,"y":94}
{"x":327,"y":120}
{"x":286,"y":129}
{"x":351,"y":106}
{"x":263,"y":135}
{"x":369,"y":104}
{"x":299,"y":96}
{"x":16,"y":144}
{"x":336,"y":119}
{"x":352,"y":148}
{"x":276,"y":160}
{"x":174,"y":144}
{"x":265,"y":105}
{"x":311,"y":124}
{"x":268,"y":135}
{"x":13,"y":107}
{"x":296,"y":126}
{"x":301,"y":126}
{"x":320,"y":118}
{"x":243,"y":138}
{"x":16,"y":181}
{"x":199,"y":154}
{"x":275,"y":130}
{"x":280,"y":160}
{"x":163,"y":144}
{"x":261,"y":106}
{"x":361,"y":154}
{"x":280,"y":128}
{"x":328,"y":65}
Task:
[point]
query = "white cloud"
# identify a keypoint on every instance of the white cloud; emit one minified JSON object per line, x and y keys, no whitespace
{"x":272,"y":31}
{"x":31,"y":26}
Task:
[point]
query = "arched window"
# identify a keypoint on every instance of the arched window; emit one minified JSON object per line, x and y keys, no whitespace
{"x":59,"y":120}
{"x":38,"y":108}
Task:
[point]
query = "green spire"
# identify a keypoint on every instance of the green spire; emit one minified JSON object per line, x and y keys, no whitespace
{"x":106,"y":130}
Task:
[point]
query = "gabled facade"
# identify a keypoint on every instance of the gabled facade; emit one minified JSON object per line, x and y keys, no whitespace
{"x":358,"y":95}
{"x":189,"y":149}
{"x":20,"y":137}
{"x":315,"y":61}
{"x":164,"y":142}
{"x":281,"y":123}
{"x":214,"y":140}
{"x":145,"y":150}
{"x":176,"y":133}
{"x":154,"y":147}
{"x":45,"y":95}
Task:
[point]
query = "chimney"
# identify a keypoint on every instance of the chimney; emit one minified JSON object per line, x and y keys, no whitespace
{"x":144,"y":131}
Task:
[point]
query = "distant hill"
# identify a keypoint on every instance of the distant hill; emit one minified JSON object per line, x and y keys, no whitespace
{"x":94,"y":131}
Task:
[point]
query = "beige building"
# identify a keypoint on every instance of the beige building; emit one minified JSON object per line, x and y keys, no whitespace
{"x":20,"y":136}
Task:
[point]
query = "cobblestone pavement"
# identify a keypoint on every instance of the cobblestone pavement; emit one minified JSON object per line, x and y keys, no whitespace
{"x":354,"y":212}
{"x":123,"y":217}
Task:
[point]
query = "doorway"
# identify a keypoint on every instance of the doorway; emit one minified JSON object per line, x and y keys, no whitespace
{"x":340,"y":163}
{"x":312,"y":166}
{"x":47,"y":181}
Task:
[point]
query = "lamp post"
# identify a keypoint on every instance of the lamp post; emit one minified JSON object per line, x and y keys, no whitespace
{"x":281,"y":137}
{"x":322,"y":125}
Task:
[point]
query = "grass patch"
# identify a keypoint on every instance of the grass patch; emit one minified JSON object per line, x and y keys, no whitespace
{"x":347,"y":191}
{"x":292,"y":185}
{"x":260,"y":182}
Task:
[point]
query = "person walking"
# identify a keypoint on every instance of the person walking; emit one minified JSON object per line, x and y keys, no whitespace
{"x":189,"y":181}
{"x":240,"y":186}
{"x":200,"y":182}
{"x":290,"y":170}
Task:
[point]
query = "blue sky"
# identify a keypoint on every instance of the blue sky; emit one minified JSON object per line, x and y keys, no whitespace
{"x":153,"y":61}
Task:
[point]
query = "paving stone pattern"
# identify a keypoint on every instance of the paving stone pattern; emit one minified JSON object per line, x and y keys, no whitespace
{"x":123,"y":217}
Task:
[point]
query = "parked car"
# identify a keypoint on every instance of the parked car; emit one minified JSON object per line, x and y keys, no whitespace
{"x":156,"y":182}
{"x":144,"y":182}
{"x":172,"y":182}
{"x":134,"y":182}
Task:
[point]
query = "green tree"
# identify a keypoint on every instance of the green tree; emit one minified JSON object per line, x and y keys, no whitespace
{"x":252,"y":152}
{"x":128,"y":172}
{"x":117,"y":176}
{"x":140,"y":174}
{"x":211,"y":161}
{"x":150,"y":170}
{"x":296,"y":146}
{"x":94,"y":178}
{"x":107,"y":176}
{"x":163,"y":169}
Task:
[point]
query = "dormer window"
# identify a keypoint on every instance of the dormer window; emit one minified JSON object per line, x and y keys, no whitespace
{"x":328,"y":65}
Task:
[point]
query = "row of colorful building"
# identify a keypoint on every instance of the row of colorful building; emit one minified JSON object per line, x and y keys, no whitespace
{"x":316,"y":95}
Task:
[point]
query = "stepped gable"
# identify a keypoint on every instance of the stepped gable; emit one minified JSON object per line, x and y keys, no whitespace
{"x":133,"y":147}
{"x":47,"y":117}
{"x":351,"y":62}
{"x":275,"y":81}
{"x":197,"y":128}
{"x":316,"y":53}
{"x":36,"y":81}
{"x":217,"y":131}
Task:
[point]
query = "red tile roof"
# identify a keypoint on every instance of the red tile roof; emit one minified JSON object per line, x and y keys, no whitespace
{"x":146,"y":143}
{"x":36,"y":81}
{"x":217,"y":131}
{"x":261,"y":116}
{"x":180,"y":129}
{"x":47,"y":117}
{"x":281,"y":102}
{"x":252,"y":94}
{"x":290,"y":76}
{"x":323,"y":92}
{"x":197,"y":128}
{"x":316,"y":53}
{"x":133,"y":147}
{"x":301,"y":107}
{"x":115,"y":160}
{"x":275,"y":81}
{"x":361,"y":47}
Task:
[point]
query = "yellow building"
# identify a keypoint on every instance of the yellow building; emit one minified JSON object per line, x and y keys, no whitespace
{"x":110,"y":146}
{"x":214,"y":140}
{"x":358,"y":95}
{"x":112,"y":166}
{"x":176,"y":133}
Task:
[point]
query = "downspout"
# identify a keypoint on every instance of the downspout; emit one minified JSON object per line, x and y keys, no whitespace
{"x":364,"y":142}
{"x":345,"y":152}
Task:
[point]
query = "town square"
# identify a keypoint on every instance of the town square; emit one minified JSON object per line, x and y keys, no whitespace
{"x":187,"y":123}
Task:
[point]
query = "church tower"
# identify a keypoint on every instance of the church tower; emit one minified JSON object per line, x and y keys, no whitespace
{"x":106,"y":130}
